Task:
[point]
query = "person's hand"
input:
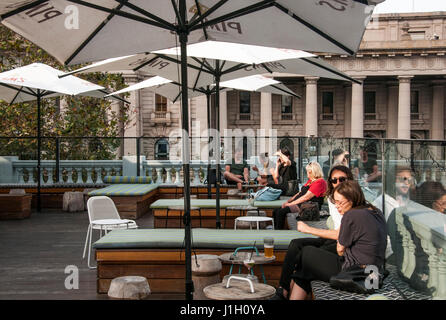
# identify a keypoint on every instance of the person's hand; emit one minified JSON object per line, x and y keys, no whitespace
{"x":302,"y":227}
{"x":239,"y":176}
{"x":284,"y":205}
{"x":255,"y":168}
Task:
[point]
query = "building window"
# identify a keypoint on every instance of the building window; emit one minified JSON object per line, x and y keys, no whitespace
{"x":160,"y":106}
{"x":245,"y":105}
{"x":287,"y":108}
{"x":327,"y":105}
{"x":414,"y":101}
{"x":162,"y":150}
{"x":370,"y":105}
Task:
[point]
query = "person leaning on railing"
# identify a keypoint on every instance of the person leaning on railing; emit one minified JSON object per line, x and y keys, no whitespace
{"x":362,"y":241}
{"x":313,"y":190}
{"x":327,"y":238}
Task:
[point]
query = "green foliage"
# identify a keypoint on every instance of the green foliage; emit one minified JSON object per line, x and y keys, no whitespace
{"x":83,"y":116}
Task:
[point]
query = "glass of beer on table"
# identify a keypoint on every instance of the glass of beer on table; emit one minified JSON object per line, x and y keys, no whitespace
{"x":268,"y":247}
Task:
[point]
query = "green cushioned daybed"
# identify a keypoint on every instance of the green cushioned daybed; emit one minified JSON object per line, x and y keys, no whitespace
{"x":208,"y":203}
{"x":124,"y":190}
{"x":201,"y":238}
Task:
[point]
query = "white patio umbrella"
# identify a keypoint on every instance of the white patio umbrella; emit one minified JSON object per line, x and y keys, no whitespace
{"x":106,"y":28}
{"x":37,"y":81}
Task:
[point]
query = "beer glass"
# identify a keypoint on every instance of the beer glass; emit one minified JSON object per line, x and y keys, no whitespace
{"x":268,"y":247}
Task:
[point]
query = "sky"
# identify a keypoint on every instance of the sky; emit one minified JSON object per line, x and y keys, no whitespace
{"x":398,"y":6}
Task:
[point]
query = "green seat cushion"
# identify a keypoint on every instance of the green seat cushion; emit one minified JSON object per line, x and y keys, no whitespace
{"x":211,"y":203}
{"x":201,"y":238}
{"x":124,"y":190}
{"x":126,"y":179}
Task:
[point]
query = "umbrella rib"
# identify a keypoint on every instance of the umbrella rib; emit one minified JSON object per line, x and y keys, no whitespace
{"x":313,"y":28}
{"x":177,"y":13}
{"x":16,"y":95}
{"x":241,"y":12}
{"x":178,"y":62}
{"x":330,"y":70}
{"x":193,"y":23}
{"x":289,"y":92}
{"x":267,"y":69}
{"x":235,"y":68}
{"x":199,"y":13}
{"x":165,"y":23}
{"x":146,"y":63}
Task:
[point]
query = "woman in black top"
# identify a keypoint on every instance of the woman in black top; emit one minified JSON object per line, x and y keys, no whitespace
{"x":284,"y":171}
{"x":362,"y":241}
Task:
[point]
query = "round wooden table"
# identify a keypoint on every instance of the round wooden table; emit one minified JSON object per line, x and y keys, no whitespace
{"x":239,"y":290}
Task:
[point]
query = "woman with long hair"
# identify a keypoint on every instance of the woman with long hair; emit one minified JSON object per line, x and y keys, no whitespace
{"x":327,"y":238}
{"x":361,"y":241}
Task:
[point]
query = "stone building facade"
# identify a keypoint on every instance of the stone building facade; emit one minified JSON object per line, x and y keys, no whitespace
{"x":401,"y":64}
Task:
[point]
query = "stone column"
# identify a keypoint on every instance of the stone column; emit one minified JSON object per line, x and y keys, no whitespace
{"x":438,"y":111}
{"x":266,"y":115}
{"x":357,"y":114}
{"x":392,"y":111}
{"x":404,"y":107}
{"x":347,"y":111}
{"x":311,"y":122}
{"x":133,"y":127}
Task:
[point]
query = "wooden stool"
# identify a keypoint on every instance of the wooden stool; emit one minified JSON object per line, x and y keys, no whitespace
{"x":129,"y":287}
{"x":73,"y":201}
{"x":205,"y":273}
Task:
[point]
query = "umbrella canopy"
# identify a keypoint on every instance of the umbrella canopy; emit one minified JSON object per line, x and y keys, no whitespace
{"x":239,"y":61}
{"x":172,"y":90}
{"x":37,"y":81}
{"x":318,"y":26}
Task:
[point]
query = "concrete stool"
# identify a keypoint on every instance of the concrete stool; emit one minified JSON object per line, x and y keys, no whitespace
{"x":207,"y":272}
{"x":233,"y":194}
{"x":248,"y":225}
{"x":129,"y":287}
{"x":17,"y":192}
{"x":73,"y":201}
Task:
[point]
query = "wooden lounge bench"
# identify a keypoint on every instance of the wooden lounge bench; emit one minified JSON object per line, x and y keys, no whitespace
{"x":207,"y":212}
{"x":158,"y":254}
{"x":15,"y":206}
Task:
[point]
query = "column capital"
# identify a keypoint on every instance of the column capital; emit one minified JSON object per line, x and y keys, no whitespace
{"x":405,"y":79}
{"x":360,"y":78}
{"x":311,"y":80}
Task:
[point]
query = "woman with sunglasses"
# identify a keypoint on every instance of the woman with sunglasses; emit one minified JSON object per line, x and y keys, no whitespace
{"x":327,"y":238}
{"x":361,"y":242}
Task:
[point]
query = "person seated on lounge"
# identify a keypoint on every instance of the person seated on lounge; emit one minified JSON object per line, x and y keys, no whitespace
{"x":262,"y":167}
{"x":366,"y":168}
{"x":361,"y":241}
{"x":339,"y":157}
{"x":432,"y":194}
{"x":326,"y":238}
{"x":313,"y":190}
{"x":237,"y":172}
{"x":284,"y":171}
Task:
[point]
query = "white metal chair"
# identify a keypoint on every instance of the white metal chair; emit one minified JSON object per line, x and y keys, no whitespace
{"x":103,"y":216}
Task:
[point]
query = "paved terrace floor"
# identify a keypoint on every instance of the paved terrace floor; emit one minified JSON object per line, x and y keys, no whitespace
{"x":34,"y":253}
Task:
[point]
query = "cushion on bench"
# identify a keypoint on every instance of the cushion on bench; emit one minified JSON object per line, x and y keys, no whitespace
{"x":124,"y":190}
{"x":126,"y":179}
{"x":201,"y":238}
{"x":211,"y":203}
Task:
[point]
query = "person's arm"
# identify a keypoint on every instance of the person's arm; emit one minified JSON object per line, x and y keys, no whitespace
{"x":307,"y":196}
{"x":374,"y":175}
{"x":322,"y":233}
{"x":246,"y":174}
{"x":276,"y":172}
{"x":340,"y":249}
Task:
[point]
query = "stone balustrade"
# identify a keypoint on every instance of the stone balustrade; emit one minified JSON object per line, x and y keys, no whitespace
{"x":422,"y":232}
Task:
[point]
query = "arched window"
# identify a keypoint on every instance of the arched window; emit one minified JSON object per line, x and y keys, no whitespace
{"x":162,"y":149}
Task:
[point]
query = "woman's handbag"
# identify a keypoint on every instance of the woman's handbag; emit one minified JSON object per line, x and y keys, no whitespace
{"x":358,"y":279}
{"x":307,"y":211}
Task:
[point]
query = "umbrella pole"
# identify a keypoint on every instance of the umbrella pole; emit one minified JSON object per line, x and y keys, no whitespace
{"x":39,"y":206}
{"x":183,"y":33}
{"x":208,"y":101}
{"x":218,"y":152}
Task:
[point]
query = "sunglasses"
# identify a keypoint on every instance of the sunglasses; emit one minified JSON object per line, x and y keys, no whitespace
{"x":335,"y":180}
{"x":405,"y":179}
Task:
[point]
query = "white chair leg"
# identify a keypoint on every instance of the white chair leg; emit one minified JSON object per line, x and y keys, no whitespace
{"x":86,"y":241}
{"x":89,"y":250}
